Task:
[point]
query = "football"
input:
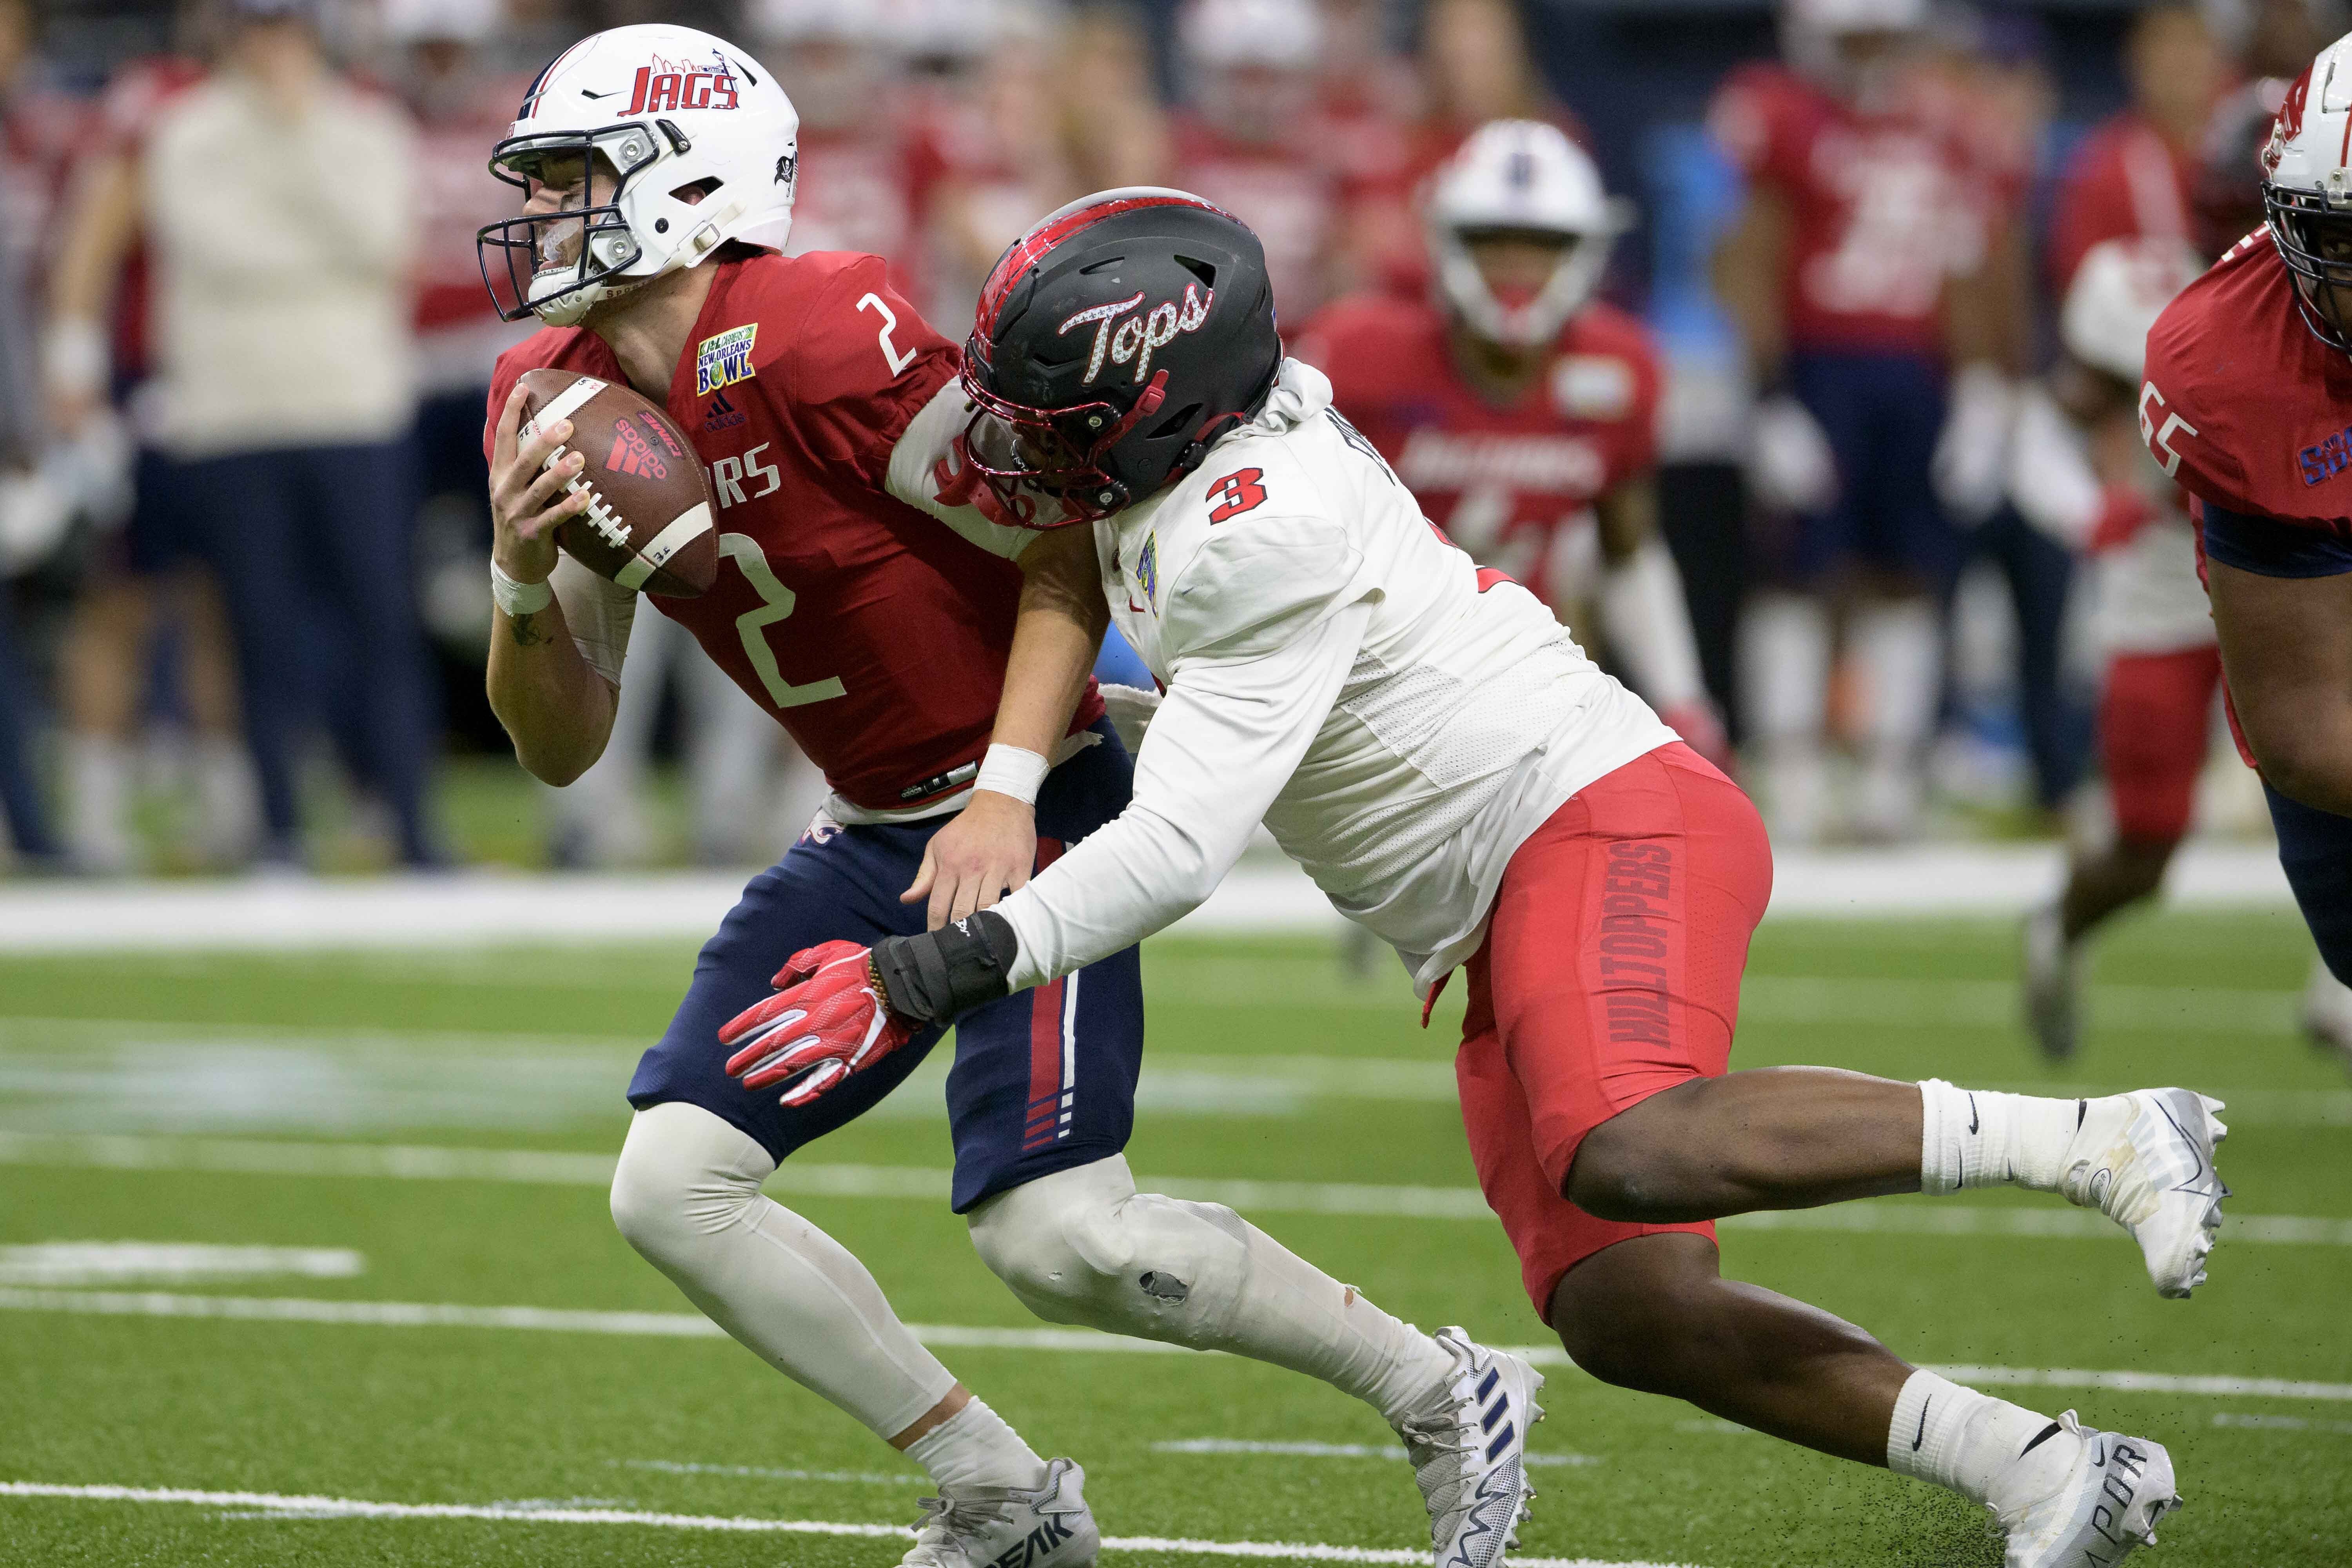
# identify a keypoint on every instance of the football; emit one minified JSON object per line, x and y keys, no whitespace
{"x":648,"y":523}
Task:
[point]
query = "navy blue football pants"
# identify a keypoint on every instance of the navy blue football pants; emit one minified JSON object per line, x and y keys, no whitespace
{"x":1044,"y":1080}
{"x":2315,"y":850}
{"x":310,"y":545}
{"x":1882,"y":414}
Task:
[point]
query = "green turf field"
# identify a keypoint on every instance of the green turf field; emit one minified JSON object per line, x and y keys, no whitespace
{"x":433,"y":1130}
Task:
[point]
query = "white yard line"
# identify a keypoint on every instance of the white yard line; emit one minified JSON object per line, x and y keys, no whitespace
{"x":1262,"y":895}
{"x":410,"y":1162}
{"x":1333,"y":1451}
{"x":312,"y":1507}
{"x":769,"y":1473}
{"x":690,"y":1325}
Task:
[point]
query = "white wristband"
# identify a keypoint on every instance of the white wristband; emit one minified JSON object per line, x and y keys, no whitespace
{"x":519,"y":599}
{"x":1012,"y":770}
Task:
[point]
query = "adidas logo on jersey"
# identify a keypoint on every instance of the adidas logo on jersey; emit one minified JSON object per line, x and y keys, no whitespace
{"x":721,"y":415}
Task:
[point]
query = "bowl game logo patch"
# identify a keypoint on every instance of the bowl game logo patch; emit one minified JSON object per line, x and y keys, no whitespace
{"x":724,"y":360}
{"x":1146,"y":571}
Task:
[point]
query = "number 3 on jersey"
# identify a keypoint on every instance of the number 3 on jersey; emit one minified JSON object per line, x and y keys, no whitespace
{"x":776,"y":602}
{"x":1237,"y":493}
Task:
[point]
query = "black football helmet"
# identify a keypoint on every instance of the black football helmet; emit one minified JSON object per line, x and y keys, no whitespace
{"x":1115,"y":340}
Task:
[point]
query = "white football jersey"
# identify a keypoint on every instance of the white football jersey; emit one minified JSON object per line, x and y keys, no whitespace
{"x":1400,"y":719}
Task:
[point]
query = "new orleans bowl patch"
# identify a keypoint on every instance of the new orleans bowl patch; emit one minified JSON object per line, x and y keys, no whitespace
{"x":724,"y":360}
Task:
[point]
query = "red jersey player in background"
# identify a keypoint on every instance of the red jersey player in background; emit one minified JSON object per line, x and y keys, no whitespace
{"x":1248,"y":143}
{"x":890,"y":630}
{"x":2135,"y":176}
{"x":1855,"y":273}
{"x":866,"y":180}
{"x":1521,"y":411}
{"x":2246,"y":403}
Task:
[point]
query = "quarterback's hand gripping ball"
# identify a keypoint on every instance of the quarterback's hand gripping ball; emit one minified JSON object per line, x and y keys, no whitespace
{"x":648,"y":521}
{"x":828,"y":1020}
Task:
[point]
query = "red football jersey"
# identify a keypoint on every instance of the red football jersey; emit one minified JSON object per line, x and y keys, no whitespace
{"x":2124,"y":182}
{"x":1885,"y":210}
{"x":2241,"y":404}
{"x":870,"y":630}
{"x":1513,"y":486}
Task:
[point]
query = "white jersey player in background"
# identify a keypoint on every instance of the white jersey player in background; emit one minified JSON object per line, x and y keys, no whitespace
{"x":1434,"y":749}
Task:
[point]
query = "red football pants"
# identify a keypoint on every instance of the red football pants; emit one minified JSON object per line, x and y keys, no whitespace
{"x":2153,"y":715}
{"x":1611,"y":971}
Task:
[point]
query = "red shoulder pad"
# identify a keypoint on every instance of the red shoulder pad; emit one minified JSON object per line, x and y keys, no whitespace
{"x":858,"y":361}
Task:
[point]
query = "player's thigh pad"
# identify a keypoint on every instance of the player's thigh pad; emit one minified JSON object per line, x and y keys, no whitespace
{"x":2315,"y":852}
{"x":843,"y":885}
{"x":1081,"y":1246}
{"x":1044,"y":1080}
{"x":2154,"y":715}
{"x":1610,"y":971}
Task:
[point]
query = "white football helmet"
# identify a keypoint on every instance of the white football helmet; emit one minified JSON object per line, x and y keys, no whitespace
{"x":1813,"y":34}
{"x":2307,"y":190}
{"x":2120,"y":287}
{"x":437,"y":21}
{"x":701,"y":145}
{"x":1525,"y":177}
{"x":1272,"y":35}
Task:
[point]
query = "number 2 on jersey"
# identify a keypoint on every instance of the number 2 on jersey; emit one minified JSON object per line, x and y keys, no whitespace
{"x":776,"y":602}
{"x":1237,"y":493}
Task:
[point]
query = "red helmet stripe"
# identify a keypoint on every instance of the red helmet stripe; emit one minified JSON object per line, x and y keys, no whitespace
{"x":1033,"y":246}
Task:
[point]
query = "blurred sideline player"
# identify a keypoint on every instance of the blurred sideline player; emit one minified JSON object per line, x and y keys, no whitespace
{"x":1248,"y":142}
{"x":1430,"y":745}
{"x":2244,"y":403}
{"x":147,"y":579}
{"x":1856,"y":275}
{"x":1521,"y":411}
{"x":881,"y":638}
{"x":2134,"y":176}
{"x":39,"y":130}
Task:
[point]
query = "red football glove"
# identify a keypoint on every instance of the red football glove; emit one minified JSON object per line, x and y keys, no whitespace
{"x":1701,"y":731}
{"x":827,"y":1019}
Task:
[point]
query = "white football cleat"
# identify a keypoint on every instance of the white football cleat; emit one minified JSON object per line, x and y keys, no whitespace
{"x":2146,"y":1161}
{"x":2106,"y":1507}
{"x":1468,"y":1447}
{"x":2053,"y":983}
{"x":1049,"y":1526}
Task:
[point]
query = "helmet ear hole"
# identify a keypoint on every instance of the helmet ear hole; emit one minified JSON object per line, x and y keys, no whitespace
{"x":1205,"y":271}
{"x":1176,"y":423}
{"x":695,"y":191}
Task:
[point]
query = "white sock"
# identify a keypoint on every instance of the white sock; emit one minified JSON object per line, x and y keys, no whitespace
{"x":1987,"y":1449}
{"x":1898,"y":647}
{"x":98,"y":801}
{"x":1784,"y":666}
{"x":1979,"y":1138}
{"x":687,"y":1195}
{"x":229,"y":803}
{"x":976,"y":1447}
{"x":1293,"y":1315}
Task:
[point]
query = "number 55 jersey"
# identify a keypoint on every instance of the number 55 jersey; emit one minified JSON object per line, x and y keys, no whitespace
{"x":874,"y":634}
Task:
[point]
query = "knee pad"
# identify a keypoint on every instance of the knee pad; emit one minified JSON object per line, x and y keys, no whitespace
{"x":1083,"y":1247}
{"x":684,"y":1175}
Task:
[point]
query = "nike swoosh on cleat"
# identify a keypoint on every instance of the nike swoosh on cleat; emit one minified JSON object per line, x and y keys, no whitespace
{"x":2047,"y":1433}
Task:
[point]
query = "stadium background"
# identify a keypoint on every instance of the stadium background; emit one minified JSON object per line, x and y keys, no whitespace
{"x":301,"y":1233}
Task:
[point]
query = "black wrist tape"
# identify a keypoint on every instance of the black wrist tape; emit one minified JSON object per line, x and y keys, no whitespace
{"x":938,"y":977}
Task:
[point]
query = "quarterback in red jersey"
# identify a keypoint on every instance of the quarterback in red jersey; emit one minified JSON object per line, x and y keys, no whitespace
{"x":2247,"y":405}
{"x":1521,"y":411}
{"x":888,"y":628}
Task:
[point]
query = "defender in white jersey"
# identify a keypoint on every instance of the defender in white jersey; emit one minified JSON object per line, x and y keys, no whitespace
{"x":1456,"y":775}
